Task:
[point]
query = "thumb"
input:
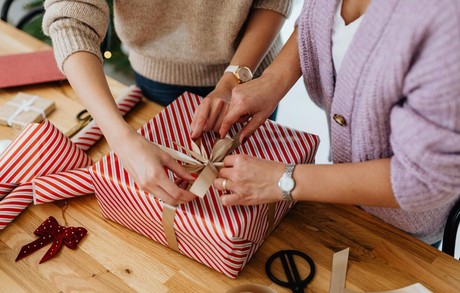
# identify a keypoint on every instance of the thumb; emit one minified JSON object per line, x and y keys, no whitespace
{"x":252,"y":126}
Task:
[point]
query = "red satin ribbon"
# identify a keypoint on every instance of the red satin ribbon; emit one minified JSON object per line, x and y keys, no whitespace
{"x":50,"y":231}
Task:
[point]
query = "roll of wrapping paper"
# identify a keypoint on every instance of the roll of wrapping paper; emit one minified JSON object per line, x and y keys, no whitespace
{"x":91,"y":133}
{"x":40,"y":150}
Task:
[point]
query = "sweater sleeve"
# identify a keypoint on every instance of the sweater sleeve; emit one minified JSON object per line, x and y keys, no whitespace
{"x":75,"y":26}
{"x":282,"y":6}
{"x":425,"y":127}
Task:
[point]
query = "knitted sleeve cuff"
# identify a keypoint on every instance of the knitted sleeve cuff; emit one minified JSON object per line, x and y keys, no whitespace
{"x":75,"y":26}
{"x":284,"y":7}
{"x":69,"y":39}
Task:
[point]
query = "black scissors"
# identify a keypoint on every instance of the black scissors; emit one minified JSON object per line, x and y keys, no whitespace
{"x":83,"y":118}
{"x":294,"y":281}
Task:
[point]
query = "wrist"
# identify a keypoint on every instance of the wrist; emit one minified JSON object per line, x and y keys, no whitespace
{"x":286,"y":182}
{"x":281,"y":81}
{"x":227,"y":81}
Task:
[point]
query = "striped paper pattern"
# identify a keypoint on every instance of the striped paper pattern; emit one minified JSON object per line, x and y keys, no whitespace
{"x":91,"y":133}
{"x":40,"y":149}
{"x":223,"y":238}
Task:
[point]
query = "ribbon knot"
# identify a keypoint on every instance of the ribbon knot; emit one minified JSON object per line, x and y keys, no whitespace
{"x":197,"y":160}
{"x":50,"y":231}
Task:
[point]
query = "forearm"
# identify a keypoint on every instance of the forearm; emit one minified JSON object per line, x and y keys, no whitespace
{"x":262,"y":29}
{"x":365,"y":183}
{"x":285,"y":70}
{"x":85,"y":74}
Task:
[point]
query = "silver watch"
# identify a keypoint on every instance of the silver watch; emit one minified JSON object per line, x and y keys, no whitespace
{"x":287,"y":183}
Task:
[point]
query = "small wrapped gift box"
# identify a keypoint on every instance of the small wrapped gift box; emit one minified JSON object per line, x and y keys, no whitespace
{"x":24,"y":109}
{"x":223,"y":238}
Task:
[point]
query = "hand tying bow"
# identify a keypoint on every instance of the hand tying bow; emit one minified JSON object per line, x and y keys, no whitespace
{"x":51,"y":231}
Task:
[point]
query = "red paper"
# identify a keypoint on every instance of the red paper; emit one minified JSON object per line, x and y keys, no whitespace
{"x":29,"y":68}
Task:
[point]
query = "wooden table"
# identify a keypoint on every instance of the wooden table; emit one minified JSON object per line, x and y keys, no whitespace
{"x":115,"y":259}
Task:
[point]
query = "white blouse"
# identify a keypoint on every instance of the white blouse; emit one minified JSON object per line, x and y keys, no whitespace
{"x":342,"y":35}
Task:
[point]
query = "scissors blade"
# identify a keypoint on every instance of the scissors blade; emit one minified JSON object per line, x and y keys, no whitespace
{"x":74,"y":130}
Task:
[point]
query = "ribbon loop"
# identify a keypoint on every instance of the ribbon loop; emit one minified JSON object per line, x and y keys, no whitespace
{"x":51,"y":231}
{"x":197,"y":160}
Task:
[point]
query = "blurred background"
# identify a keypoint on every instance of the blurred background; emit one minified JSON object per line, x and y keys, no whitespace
{"x":295,"y":110}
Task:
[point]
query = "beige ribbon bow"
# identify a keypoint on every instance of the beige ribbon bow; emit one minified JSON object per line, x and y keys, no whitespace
{"x":197,"y":160}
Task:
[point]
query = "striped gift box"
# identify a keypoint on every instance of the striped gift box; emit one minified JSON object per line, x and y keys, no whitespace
{"x":223,"y":238}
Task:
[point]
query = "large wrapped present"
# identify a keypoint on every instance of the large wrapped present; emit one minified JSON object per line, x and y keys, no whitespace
{"x":223,"y":238}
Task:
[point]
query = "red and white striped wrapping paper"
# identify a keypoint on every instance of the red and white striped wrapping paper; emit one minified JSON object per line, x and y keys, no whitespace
{"x":43,"y":165}
{"x":223,"y":238}
{"x":91,"y":133}
{"x":40,"y":149}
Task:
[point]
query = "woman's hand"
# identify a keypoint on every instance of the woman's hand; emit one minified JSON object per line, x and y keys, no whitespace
{"x":253,"y":101}
{"x":146,"y":164}
{"x":249,"y":180}
{"x":209,"y":114}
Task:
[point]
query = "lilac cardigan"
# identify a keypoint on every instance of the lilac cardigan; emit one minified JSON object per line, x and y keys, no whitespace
{"x":399,"y":92}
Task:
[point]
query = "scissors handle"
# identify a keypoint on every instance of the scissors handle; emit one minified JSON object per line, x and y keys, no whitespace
{"x":294,"y":281}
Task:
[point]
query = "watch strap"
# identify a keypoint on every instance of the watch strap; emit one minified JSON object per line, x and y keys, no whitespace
{"x":232,"y":68}
{"x":288,"y":172}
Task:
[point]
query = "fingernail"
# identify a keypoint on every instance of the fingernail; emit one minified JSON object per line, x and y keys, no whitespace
{"x":194,"y":175}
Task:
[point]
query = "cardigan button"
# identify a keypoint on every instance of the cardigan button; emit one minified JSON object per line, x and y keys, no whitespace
{"x":340,"y":120}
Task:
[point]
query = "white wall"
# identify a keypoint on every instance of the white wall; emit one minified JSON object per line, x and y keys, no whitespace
{"x":296,"y":109}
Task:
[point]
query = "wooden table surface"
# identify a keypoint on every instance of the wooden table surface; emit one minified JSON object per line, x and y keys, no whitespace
{"x":114,"y":259}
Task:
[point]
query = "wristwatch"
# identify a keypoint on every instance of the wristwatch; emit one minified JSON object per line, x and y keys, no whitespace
{"x":287,"y":183}
{"x":242,"y":73}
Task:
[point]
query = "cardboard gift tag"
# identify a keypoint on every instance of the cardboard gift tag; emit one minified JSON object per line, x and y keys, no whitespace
{"x":24,"y":109}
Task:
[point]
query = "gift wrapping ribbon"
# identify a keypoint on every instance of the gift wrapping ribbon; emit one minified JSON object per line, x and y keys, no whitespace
{"x":339,"y":274}
{"x":50,"y":231}
{"x":24,"y":106}
{"x":43,"y":160}
{"x":197,"y":160}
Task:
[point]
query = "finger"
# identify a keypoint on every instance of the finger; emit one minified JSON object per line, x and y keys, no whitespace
{"x":244,"y":118}
{"x":219,"y":184}
{"x":232,"y":116}
{"x":173,"y":192}
{"x":178,"y":169}
{"x":159,"y":193}
{"x":226,"y":173}
{"x":220,"y":118}
{"x":231,"y":199}
{"x":213,"y":115}
{"x":229,"y":160}
{"x":181,"y":183}
{"x":199,"y":119}
{"x":252,"y":126}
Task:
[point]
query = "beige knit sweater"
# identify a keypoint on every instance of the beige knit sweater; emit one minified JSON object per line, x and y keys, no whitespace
{"x":180,"y":42}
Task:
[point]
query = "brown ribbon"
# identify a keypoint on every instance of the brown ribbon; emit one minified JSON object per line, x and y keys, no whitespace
{"x":197,"y":160}
{"x":339,"y":275}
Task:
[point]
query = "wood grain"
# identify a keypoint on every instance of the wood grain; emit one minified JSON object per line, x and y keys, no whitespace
{"x":112,"y":258}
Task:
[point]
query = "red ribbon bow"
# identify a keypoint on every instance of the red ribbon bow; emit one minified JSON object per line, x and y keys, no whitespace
{"x":51,"y":231}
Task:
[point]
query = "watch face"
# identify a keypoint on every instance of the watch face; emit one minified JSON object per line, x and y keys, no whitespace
{"x":286,"y":184}
{"x":244,"y":74}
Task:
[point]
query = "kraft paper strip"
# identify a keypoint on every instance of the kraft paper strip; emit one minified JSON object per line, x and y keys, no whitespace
{"x":169,"y":213}
{"x":339,"y":273}
{"x":197,"y":159}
